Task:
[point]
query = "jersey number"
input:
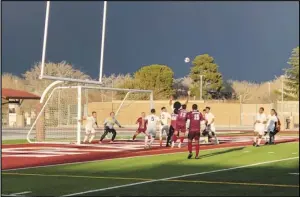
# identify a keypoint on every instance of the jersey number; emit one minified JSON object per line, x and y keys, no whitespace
{"x":183,"y":114}
{"x":162,"y":117}
{"x":196,"y":117}
{"x":152,"y":118}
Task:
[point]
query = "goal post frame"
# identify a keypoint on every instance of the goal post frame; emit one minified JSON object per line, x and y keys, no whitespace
{"x":79,"y":103}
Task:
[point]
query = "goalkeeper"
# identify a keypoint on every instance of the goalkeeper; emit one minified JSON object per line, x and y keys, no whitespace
{"x":109,"y":127}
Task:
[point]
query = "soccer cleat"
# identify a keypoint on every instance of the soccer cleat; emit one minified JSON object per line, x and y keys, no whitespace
{"x":197,"y":157}
{"x":179,"y":145}
{"x":190,"y":155}
{"x":266,"y":143}
{"x":254,"y":144}
{"x":111,"y":141}
{"x":257,"y":145}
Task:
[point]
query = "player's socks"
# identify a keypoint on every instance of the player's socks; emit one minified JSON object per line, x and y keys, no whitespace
{"x":85,"y":139}
{"x":190,"y":147}
{"x":179,"y":145}
{"x":151,"y":141}
{"x":160,"y":142}
{"x":258,"y":142}
{"x":91,"y":139}
{"x":146,"y":140}
{"x":197,"y":149}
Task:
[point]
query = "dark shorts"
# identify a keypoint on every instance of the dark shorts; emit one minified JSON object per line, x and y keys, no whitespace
{"x":141,"y":130}
{"x":194,"y":135}
{"x":181,"y":128}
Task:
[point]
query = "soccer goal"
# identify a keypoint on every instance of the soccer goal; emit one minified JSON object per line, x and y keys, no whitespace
{"x":60,"y":111}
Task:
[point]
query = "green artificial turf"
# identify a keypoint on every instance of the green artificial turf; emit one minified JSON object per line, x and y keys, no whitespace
{"x":68,"y":179}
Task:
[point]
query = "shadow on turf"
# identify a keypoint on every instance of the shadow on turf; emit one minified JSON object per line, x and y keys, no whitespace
{"x":221,"y":152}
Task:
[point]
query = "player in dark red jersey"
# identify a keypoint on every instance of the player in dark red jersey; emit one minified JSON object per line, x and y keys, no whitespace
{"x":180,"y":122}
{"x":172,"y":126}
{"x":194,"y":121}
{"x":180,"y":126}
{"x":142,"y":125}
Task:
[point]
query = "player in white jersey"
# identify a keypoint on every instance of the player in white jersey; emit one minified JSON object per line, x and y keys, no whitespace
{"x":259,"y":127}
{"x":152,"y":120}
{"x":164,"y":127}
{"x":210,"y":127}
{"x":91,"y":124}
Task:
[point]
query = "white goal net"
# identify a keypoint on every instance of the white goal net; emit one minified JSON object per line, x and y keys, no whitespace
{"x":59,"y":114}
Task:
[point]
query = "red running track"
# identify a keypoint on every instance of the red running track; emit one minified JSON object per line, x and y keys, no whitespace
{"x":91,"y":153}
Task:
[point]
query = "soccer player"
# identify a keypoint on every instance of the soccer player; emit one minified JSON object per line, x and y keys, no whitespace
{"x":273,"y":126}
{"x":259,"y":127}
{"x":194,"y":121}
{"x":203,"y":127}
{"x":172,"y":127}
{"x":142,"y":121}
{"x":180,"y":126}
{"x":90,"y":127}
{"x":210,"y":127}
{"x":152,"y":120}
{"x":164,"y":128}
{"x":109,"y":127}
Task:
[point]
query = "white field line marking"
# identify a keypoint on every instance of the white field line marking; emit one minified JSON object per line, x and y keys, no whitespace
{"x":270,"y":152}
{"x":31,"y":155}
{"x":294,"y":173}
{"x":20,"y":193}
{"x":294,"y":153}
{"x":137,"y":156}
{"x":181,"y":176}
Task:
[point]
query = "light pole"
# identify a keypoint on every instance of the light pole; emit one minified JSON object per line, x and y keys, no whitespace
{"x":201,"y":84}
{"x":282,"y":78}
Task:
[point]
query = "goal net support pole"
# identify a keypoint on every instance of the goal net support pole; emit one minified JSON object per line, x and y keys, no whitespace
{"x":60,"y":113}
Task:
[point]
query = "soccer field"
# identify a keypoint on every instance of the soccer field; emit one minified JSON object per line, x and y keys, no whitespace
{"x":246,"y":170}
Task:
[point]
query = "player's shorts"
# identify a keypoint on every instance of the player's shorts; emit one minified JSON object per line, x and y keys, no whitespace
{"x":141,"y":130}
{"x":152,"y":132}
{"x":181,"y":128}
{"x":90,"y":131}
{"x":259,"y":129}
{"x":194,"y":135}
{"x":164,"y":130}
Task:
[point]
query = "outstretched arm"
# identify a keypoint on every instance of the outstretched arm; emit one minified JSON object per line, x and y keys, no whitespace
{"x":187,"y":100}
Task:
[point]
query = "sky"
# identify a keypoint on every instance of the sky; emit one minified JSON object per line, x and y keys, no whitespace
{"x":249,"y":40}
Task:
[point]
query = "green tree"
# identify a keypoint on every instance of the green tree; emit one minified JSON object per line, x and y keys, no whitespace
{"x":292,"y":76}
{"x":61,"y":69}
{"x":158,"y":78}
{"x":212,"y":79}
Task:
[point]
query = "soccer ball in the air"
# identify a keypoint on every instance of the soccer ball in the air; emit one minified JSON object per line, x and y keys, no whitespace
{"x":187,"y":60}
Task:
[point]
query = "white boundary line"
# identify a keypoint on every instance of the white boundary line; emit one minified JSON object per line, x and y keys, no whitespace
{"x":82,"y":162}
{"x":176,"y":177}
{"x":294,"y":173}
{"x":20,"y":193}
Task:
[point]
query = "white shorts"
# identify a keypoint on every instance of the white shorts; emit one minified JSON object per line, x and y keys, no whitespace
{"x":151,"y":131}
{"x":90,"y":131}
{"x":260,"y":129}
{"x":164,"y":130}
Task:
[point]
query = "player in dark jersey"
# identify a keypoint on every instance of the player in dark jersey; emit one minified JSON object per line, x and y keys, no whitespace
{"x":142,"y":125}
{"x":172,"y":127}
{"x":194,"y":121}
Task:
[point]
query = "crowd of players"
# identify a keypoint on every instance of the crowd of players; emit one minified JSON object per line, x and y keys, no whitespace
{"x":180,"y":122}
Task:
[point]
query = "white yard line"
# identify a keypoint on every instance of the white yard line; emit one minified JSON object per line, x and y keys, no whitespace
{"x":176,"y":177}
{"x":20,"y":193}
{"x":137,"y":156}
{"x":294,"y":173}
